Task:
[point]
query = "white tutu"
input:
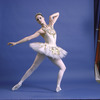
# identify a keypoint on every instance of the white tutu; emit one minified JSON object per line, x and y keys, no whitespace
{"x":49,"y":50}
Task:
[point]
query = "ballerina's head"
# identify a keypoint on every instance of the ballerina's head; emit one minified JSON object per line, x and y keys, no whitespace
{"x":40,"y":19}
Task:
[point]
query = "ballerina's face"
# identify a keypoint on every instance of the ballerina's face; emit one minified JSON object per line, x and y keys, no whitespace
{"x":40,"y":19}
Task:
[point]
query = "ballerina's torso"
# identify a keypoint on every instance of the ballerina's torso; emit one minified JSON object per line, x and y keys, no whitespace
{"x":49,"y":48}
{"x":50,"y":35}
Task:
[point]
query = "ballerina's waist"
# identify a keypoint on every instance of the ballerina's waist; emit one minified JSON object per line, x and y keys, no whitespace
{"x":51,"y":44}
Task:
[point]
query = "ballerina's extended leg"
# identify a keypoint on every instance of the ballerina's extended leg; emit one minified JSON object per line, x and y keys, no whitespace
{"x":39,"y":58}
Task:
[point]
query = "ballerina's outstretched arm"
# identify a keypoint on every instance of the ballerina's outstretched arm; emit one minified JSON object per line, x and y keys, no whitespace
{"x":36,"y":34}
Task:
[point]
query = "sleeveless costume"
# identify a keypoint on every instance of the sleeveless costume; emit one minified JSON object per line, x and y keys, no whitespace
{"x":49,"y":48}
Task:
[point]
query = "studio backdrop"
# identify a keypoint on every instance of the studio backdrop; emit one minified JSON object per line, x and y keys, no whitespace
{"x":75,"y":34}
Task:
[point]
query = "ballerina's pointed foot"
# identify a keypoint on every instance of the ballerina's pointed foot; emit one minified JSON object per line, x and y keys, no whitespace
{"x":58,"y":89}
{"x":17,"y":86}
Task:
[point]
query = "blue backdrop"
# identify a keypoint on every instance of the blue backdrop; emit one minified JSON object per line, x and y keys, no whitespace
{"x":75,"y":30}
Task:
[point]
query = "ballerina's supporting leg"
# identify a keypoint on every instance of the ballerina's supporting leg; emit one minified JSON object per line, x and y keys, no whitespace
{"x":39,"y":58}
{"x":62,"y":67}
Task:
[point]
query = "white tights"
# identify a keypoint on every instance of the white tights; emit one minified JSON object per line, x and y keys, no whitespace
{"x":39,"y":58}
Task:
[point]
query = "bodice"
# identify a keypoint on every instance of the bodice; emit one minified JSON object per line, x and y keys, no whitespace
{"x":50,"y":35}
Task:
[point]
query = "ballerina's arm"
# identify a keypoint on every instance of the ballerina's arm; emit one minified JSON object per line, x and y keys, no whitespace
{"x":53,"y":18}
{"x":36,"y":34}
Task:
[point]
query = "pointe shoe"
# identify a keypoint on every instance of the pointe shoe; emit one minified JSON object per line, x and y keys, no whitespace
{"x":58,"y":89}
{"x":17,"y":86}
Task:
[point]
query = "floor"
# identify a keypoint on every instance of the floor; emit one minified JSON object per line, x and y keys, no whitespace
{"x":43,"y":87}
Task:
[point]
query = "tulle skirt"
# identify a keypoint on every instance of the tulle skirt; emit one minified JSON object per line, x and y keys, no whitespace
{"x":49,"y":50}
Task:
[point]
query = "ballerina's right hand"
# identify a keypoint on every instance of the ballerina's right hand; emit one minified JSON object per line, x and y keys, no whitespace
{"x":12,"y":43}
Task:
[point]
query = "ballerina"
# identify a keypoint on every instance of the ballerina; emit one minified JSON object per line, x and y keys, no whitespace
{"x":49,"y":49}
